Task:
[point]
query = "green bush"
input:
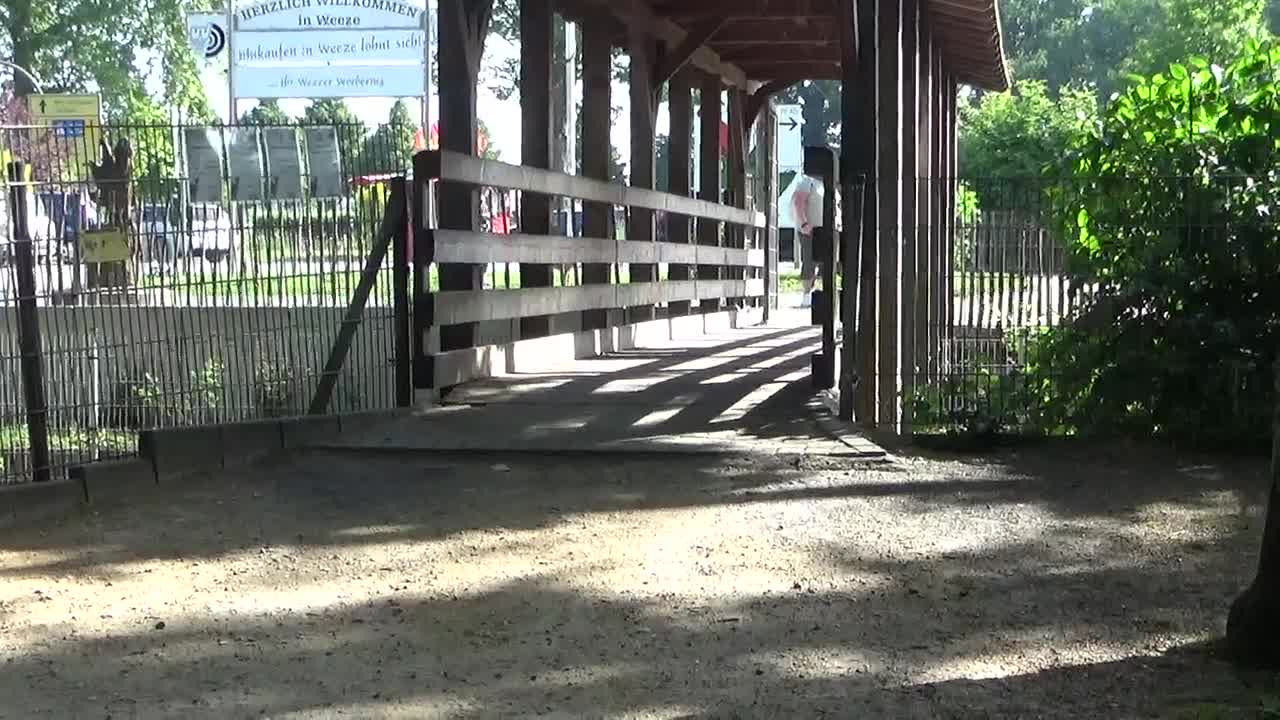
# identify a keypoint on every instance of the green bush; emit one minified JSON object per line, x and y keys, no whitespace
{"x":1171,"y":219}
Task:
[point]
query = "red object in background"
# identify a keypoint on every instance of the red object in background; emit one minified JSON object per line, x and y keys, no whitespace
{"x":482,"y":140}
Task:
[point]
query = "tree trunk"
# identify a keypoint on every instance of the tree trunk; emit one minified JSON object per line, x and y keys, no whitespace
{"x":1253,"y":625}
{"x":24,"y":46}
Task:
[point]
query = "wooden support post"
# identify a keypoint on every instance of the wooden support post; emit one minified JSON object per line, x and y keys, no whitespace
{"x":644,"y":112}
{"x":938,"y":267}
{"x":28,"y":316}
{"x":924,"y":350}
{"x":537,"y":32}
{"x":464,"y":25}
{"x":889,"y":172}
{"x":949,"y":205}
{"x":736,"y":235}
{"x":769,"y":148}
{"x":709,"y":174}
{"x":857,"y":156}
{"x":866,"y":136}
{"x":597,"y":76}
{"x":910,"y":124}
{"x":820,"y":164}
{"x":680,"y":175}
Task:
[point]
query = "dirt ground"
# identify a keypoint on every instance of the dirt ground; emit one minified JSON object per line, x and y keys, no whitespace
{"x":1037,"y":583}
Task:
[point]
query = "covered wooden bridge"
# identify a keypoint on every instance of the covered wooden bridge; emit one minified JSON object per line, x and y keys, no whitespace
{"x":649,"y":257}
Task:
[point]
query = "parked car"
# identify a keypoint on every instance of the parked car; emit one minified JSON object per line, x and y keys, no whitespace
{"x":45,"y":239}
{"x":207,"y":233}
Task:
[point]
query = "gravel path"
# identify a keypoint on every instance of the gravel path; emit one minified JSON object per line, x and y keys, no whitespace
{"x":1043,"y":583}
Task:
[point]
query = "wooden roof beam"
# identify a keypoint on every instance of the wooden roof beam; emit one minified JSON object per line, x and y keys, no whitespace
{"x":745,"y":8}
{"x":680,"y":56}
{"x":635,"y":13}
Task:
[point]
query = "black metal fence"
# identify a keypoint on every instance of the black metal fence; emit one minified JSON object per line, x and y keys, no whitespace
{"x":1055,"y":302}
{"x":154,"y":287}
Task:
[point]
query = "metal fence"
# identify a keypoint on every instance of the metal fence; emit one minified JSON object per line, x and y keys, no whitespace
{"x":1011,"y":278}
{"x":217,"y":305}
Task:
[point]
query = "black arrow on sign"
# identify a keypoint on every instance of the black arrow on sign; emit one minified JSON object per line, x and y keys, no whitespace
{"x":44,"y":104}
{"x":790,"y":124}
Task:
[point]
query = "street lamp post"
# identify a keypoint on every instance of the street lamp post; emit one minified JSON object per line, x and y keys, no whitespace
{"x":18,"y":69}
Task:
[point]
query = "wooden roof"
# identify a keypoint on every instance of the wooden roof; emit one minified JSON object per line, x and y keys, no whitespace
{"x":763,"y":40}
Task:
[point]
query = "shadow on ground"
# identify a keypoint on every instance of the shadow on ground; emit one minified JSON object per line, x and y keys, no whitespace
{"x":1047,"y":583}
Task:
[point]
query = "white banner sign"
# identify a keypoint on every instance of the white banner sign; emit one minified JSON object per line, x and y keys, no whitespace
{"x":207,"y":33}
{"x":204,"y":164}
{"x":790,"y":138}
{"x":325,"y":160}
{"x":348,"y":81}
{"x":367,"y":46}
{"x":328,"y":15}
{"x":244,"y":163}
{"x":284,"y":162}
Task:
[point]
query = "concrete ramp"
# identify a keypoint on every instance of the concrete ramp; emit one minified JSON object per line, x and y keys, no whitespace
{"x":744,"y":390}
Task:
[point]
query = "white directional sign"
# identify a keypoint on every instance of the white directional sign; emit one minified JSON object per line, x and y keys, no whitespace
{"x":790,"y":138}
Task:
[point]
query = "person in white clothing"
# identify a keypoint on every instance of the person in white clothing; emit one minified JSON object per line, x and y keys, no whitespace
{"x":806,"y":208}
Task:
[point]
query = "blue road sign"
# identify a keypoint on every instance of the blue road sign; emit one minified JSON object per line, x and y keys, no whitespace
{"x":69,"y":128}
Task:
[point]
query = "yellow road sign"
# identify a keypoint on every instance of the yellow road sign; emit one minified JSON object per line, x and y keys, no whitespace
{"x":59,"y":106}
{"x":67,"y":114}
{"x":103,"y":246}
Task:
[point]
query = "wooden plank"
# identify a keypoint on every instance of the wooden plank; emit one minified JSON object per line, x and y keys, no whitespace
{"x":537,"y":32}
{"x":493,"y":173}
{"x":851,"y":172}
{"x":456,"y":307}
{"x":460,"y":246}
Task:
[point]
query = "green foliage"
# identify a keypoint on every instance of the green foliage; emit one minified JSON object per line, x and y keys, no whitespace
{"x":390,"y":148}
{"x":1018,"y":135}
{"x":267,"y":112}
{"x":1171,"y":220}
{"x":101,"y":45}
{"x":1094,"y":44}
{"x":820,"y":108}
{"x":275,"y":389}
{"x":1181,"y":29}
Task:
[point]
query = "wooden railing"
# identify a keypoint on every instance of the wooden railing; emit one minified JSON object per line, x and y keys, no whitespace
{"x":722,"y":262}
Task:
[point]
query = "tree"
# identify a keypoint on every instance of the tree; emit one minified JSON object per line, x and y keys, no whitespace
{"x":1019,"y":134}
{"x":102,"y":45}
{"x":820,"y":102}
{"x":390,"y":148}
{"x":266,"y":112}
{"x":350,"y":128}
{"x":1095,"y":44}
{"x":1182,"y":29}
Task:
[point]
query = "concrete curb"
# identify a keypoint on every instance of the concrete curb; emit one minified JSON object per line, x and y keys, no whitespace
{"x":825,"y":414}
{"x":35,"y":501}
{"x":172,"y":455}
